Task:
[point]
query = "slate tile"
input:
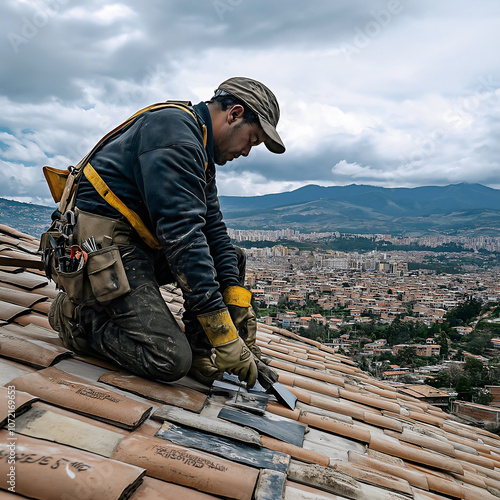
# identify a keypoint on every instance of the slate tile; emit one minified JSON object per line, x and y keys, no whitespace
{"x":230,"y":449}
{"x":275,"y":427}
{"x":208,"y":425}
{"x":271,"y":485}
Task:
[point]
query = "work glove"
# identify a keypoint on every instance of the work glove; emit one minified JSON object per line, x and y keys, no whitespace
{"x":238,"y":302}
{"x":231,"y":353}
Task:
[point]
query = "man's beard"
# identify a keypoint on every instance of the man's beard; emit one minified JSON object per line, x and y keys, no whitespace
{"x":219,"y":158}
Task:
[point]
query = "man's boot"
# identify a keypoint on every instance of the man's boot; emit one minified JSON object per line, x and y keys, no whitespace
{"x":65,"y":318}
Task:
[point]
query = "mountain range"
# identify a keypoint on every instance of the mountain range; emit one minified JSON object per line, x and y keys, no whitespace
{"x":467,"y":209}
{"x":458,"y":208}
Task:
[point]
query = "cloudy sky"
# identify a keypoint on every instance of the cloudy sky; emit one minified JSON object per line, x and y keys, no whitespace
{"x":394,"y":93}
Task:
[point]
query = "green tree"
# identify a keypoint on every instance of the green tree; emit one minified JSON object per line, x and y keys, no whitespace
{"x":442,"y":340}
{"x":484,"y":397}
{"x":464,"y":312}
{"x":464,"y":388}
{"x":406,"y":356}
{"x":478,"y":342}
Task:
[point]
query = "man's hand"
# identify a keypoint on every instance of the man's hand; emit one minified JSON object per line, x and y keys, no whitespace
{"x":235,"y":357}
{"x":238,"y":302}
{"x":232,"y":355}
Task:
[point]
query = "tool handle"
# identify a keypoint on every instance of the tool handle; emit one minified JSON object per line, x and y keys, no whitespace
{"x":267,"y":376}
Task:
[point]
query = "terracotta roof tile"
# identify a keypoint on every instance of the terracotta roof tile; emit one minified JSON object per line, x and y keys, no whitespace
{"x":33,"y":318}
{"x":425,"y":442}
{"x":84,"y":418}
{"x":14,"y":403}
{"x":154,"y":489}
{"x":26,"y":280}
{"x":10,"y":370}
{"x":471,"y":492}
{"x":188,"y":399}
{"x":9,"y":311}
{"x":297,"y":491}
{"x":412,"y":454}
{"x":379,"y":478}
{"x":370,"y":401}
{"x":21,"y":297}
{"x":475,"y":459}
{"x":59,"y":388}
{"x":29,"y":351}
{"x":363,"y":439}
{"x":332,"y":481}
{"x":379,"y":420}
{"x":51,"y":426}
{"x":47,"y":471}
{"x":413,"y":477}
{"x":297,"y":452}
{"x":331,"y":425}
{"x":188,"y":467}
{"x":448,"y":487}
{"x":280,"y":410}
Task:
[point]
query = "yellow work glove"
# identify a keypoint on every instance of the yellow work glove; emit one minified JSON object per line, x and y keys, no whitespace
{"x":238,"y":302}
{"x":231,"y":353}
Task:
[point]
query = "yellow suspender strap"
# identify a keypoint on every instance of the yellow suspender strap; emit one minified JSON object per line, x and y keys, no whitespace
{"x":105,"y":192}
{"x":135,"y":221}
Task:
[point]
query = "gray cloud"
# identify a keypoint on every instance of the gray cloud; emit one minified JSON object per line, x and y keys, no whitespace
{"x":390,"y":92}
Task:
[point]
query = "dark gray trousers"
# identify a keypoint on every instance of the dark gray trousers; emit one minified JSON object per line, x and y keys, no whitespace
{"x":138,"y":331}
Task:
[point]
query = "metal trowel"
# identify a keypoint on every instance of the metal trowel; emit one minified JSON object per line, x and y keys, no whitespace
{"x":268,"y":379}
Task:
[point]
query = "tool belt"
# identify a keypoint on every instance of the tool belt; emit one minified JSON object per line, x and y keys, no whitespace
{"x":89,"y":269}
{"x":80,"y":250}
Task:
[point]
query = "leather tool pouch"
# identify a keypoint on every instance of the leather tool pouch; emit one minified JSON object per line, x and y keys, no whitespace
{"x":106,"y":274}
{"x":102,"y":277}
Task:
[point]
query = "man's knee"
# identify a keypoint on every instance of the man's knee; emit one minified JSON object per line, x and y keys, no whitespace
{"x":172,"y":365}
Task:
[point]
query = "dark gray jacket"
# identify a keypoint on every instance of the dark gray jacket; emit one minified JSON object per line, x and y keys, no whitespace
{"x":156,"y":166}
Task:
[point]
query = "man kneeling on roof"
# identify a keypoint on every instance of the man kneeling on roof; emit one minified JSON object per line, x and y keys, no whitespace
{"x":149,"y":191}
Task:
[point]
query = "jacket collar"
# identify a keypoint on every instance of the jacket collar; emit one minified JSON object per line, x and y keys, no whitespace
{"x":203,"y":114}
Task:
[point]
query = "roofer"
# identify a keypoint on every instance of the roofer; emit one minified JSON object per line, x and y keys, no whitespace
{"x":146,"y":213}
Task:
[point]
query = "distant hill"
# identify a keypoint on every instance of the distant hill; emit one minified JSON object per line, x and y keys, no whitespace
{"x":368,"y":209}
{"x":465,"y":208}
{"x":25,"y":217}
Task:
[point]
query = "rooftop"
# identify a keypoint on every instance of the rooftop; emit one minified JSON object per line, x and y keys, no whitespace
{"x":82,"y":428}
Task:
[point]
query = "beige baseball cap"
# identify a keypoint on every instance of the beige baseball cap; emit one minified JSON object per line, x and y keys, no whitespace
{"x":262,"y":102}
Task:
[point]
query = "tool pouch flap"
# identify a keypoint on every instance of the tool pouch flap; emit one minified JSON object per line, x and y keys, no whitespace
{"x":106,"y":274}
{"x":56,"y":180}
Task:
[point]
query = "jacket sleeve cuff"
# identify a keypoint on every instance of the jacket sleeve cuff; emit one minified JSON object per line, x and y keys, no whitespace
{"x":219,"y":327}
{"x":237,"y":296}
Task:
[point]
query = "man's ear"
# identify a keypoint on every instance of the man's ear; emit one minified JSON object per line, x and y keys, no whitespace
{"x":235,"y":114}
